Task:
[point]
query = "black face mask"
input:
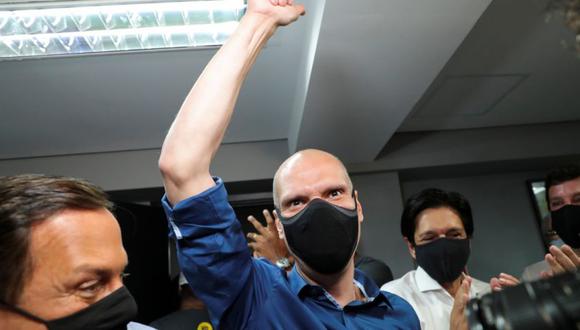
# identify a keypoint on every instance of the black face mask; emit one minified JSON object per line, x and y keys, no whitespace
{"x":443,"y":259}
{"x":566,"y":222}
{"x":322,"y":235}
{"x":113,"y":312}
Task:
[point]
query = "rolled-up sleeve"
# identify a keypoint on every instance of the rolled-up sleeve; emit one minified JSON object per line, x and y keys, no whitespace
{"x":212,"y":250}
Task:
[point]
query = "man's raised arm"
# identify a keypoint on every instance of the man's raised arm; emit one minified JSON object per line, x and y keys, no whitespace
{"x":200,"y":125}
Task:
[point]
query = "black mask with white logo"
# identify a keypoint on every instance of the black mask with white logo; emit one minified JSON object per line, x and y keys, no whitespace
{"x":113,"y":312}
{"x":566,"y":222}
{"x":443,"y":259}
{"x":322,"y":235}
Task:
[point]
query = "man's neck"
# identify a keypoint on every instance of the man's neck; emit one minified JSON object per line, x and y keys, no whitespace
{"x":453,"y":286}
{"x":340,"y":286}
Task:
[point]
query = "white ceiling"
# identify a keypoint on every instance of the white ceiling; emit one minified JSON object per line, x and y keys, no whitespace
{"x":511,"y":70}
{"x":101,"y":103}
{"x":345,"y":78}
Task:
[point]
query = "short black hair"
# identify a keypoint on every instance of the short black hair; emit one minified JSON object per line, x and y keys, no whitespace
{"x":560,"y":175}
{"x":434,"y":198}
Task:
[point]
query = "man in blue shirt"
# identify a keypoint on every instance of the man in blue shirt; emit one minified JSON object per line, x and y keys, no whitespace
{"x":319,"y":212}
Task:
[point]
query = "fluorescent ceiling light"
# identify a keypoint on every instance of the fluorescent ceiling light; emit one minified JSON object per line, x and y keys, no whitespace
{"x":78,"y":29}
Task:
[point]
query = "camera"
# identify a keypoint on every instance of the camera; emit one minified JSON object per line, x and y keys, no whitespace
{"x":545,"y":304}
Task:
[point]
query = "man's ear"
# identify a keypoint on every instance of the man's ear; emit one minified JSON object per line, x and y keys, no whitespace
{"x":279,"y":226}
{"x":358,"y":207}
{"x":410,"y":247}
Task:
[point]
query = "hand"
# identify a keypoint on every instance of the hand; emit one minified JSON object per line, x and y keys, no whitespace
{"x":561,"y":260}
{"x":266,"y":242}
{"x":458,"y":320}
{"x":283,"y":12}
{"x":503,"y":281}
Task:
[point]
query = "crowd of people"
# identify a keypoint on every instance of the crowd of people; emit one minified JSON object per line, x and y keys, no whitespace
{"x":62,"y":258}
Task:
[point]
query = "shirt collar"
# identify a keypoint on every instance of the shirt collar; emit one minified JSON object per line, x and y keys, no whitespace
{"x":300,"y":287}
{"x":297,"y":282}
{"x":370,"y":289}
{"x":425,"y":282}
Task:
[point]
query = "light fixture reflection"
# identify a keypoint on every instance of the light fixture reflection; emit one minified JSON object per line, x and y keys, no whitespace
{"x":114,"y":28}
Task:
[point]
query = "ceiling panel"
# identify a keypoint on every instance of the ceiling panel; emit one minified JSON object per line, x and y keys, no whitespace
{"x":373,"y":63}
{"x":512,"y":38}
{"x":468,"y":95}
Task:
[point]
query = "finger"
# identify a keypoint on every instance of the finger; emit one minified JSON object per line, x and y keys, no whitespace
{"x":495,"y":284}
{"x":508,"y":277}
{"x":554,"y":265}
{"x":255,"y":237}
{"x":464,"y":293}
{"x":571,"y":255}
{"x":508,"y":280}
{"x":261,"y":229}
{"x":268,"y":217}
{"x":546,"y":274}
{"x":254,"y":247}
{"x":254,"y":222}
{"x":274,"y":2}
{"x":300,"y":10}
{"x":468,"y":280}
{"x":282,"y":2}
{"x":290,"y":2}
{"x":562,"y":259}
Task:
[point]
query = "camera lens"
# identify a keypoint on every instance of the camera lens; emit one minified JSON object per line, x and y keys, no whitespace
{"x":547,"y":304}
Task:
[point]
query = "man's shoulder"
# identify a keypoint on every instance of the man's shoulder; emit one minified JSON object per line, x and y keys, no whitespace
{"x":400,"y":284}
{"x":402,"y":310}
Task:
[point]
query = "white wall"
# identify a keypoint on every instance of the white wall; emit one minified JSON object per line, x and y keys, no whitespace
{"x":138,"y":169}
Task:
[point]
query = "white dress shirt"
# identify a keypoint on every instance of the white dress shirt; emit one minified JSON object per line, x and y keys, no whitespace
{"x":431,"y":301}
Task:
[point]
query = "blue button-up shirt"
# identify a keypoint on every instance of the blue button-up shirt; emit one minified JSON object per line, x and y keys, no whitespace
{"x":242,"y":292}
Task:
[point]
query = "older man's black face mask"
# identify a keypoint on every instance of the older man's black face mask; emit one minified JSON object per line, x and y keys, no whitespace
{"x":322,"y":235}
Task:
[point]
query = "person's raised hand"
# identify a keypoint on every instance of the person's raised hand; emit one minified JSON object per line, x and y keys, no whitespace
{"x":266,"y":242}
{"x":561,"y":260}
{"x":458,"y":320}
{"x":283,"y":12}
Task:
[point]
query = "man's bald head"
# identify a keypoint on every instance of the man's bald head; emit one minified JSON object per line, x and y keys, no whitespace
{"x":293,"y":168}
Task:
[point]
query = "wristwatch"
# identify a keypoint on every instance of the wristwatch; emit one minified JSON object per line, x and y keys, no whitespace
{"x":283,"y":263}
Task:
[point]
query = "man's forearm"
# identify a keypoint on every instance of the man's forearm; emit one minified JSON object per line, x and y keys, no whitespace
{"x":200,"y":125}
